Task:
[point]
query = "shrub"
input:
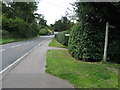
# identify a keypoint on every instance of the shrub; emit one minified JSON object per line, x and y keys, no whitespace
{"x":43,"y":32}
{"x":62,"y":38}
{"x":86,"y":43}
{"x":5,"y":23}
{"x":5,"y":34}
{"x":114,"y":45}
{"x":87,"y":38}
{"x":19,"y":28}
{"x":35,"y":29}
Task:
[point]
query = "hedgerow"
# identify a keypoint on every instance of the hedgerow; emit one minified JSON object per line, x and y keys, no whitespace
{"x":86,"y":43}
{"x":87,"y":38}
{"x":62,"y":38}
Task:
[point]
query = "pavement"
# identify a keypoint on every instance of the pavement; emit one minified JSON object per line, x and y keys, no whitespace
{"x":30,"y":73}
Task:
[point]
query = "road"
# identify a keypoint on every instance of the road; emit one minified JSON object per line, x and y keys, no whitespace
{"x":13,"y":51}
{"x":30,"y":72}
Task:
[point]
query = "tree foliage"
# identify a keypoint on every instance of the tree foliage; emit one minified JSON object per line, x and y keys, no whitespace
{"x":19,"y":19}
{"x":87,"y":38}
{"x":62,"y":24}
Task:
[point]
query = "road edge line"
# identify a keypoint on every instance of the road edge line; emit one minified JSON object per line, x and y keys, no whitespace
{"x":14,"y":64}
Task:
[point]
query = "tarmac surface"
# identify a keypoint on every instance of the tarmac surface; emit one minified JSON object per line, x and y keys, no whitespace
{"x":13,"y":51}
{"x":30,"y":72}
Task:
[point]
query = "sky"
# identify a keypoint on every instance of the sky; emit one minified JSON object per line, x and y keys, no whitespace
{"x":53,"y":9}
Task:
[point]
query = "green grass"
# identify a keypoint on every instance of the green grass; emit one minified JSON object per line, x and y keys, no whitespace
{"x":10,"y":40}
{"x":55,"y":43}
{"x":81,"y":74}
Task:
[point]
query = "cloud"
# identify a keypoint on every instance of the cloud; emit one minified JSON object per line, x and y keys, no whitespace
{"x":53,"y":9}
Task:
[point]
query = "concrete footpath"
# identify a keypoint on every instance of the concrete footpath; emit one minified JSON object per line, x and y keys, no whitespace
{"x":30,"y":73}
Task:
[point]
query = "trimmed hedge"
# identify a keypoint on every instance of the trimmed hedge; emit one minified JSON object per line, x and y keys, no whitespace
{"x":62,"y":38}
{"x":87,"y":39}
{"x":114,"y":45}
{"x":87,"y":43}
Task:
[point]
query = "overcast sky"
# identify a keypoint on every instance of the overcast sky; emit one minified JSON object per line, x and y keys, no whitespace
{"x":53,"y":9}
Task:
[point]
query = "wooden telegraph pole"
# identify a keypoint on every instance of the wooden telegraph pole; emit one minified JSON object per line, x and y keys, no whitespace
{"x":106,"y":42}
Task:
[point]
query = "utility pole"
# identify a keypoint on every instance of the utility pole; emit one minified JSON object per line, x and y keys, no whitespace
{"x":106,"y":42}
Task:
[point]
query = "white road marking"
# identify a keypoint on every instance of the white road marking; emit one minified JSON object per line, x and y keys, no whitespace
{"x":41,"y":43}
{"x":13,"y":46}
{"x":19,"y":59}
{"x":26,"y":42}
{"x":2,"y":50}
{"x":38,"y":45}
{"x":16,"y":46}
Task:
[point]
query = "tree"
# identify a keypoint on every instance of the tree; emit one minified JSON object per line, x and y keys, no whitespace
{"x":58,"y":26}
{"x":24,"y":10}
{"x":87,"y":38}
{"x":41,"y":20}
{"x":62,"y":24}
{"x":19,"y":19}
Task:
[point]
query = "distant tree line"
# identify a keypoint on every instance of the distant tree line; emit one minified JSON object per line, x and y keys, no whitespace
{"x":62,"y":25}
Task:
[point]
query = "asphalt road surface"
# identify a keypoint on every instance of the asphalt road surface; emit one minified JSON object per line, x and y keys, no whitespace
{"x":30,"y":72}
{"x":13,"y":51}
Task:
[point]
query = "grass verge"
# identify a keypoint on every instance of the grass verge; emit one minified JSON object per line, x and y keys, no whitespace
{"x":10,"y":40}
{"x":55,"y":43}
{"x":81,"y":74}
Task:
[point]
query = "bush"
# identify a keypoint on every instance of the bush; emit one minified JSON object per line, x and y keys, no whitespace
{"x":87,"y":43}
{"x":19,"y":28}
{"x":35,"y":29}
{"x":87,"y":39}
{"x":62,"y":38}
{"x":5,"y":23}
{"x":114,"y":45}
{"x":5,"y":34}
{"x":43,"y":32}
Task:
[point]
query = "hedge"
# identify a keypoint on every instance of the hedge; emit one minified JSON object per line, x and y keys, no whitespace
{"x":114,"y":45}
{"x":62,"y":38}
{"x":87,"y":39}
{"x":86,"y":43}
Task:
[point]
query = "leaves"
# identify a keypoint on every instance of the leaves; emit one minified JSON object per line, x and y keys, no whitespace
{"x":87,"y":37}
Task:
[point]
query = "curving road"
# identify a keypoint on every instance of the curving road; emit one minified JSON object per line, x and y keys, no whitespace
{"x":30,"y":72}
{"x":13,"y":51}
